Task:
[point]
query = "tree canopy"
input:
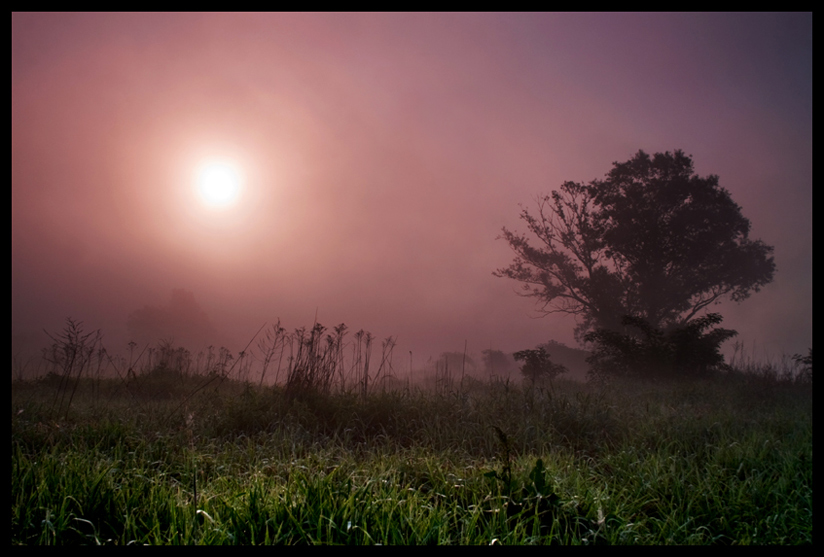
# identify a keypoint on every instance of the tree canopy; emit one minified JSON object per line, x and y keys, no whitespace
{"x":537,"y":364}
{"x":653,"y":240}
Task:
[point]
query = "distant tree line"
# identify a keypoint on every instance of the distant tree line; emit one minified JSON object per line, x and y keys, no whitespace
{"x":549,"y":359}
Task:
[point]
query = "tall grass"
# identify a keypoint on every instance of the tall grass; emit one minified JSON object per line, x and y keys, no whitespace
{"x":170,"y":457}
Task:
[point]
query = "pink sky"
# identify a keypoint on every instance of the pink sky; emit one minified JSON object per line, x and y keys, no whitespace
{"x":380,"y":156}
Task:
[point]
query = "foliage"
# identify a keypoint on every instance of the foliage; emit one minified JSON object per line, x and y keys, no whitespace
{"x":574,"y":359}
{"x":653,"y":240}
{"x":496,"y":362}
{"x":314,"y":365}
{"x":700,"y":462}
{"x":72,"y":354}
{"x":537,"y":364}
{"x":646,"y":351}
{"x":806,"y":363}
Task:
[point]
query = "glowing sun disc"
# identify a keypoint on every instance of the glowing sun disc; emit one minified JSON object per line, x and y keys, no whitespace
{"x":218,"y":184}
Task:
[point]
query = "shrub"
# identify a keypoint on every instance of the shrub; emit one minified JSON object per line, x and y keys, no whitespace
{"x":537,"y":364}
{"x":684,"y":351}
{"x":806,"y":363}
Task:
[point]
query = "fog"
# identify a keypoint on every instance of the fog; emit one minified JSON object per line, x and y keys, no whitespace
{"x":378,"y":157}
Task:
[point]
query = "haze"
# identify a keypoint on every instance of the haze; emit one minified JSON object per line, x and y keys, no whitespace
{"x":378,"y":157}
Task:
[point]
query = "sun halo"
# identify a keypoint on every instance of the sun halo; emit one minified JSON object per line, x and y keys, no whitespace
{"x":218,"y":184}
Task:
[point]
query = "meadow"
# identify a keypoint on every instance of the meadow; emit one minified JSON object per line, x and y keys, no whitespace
{"x":169,"y":456}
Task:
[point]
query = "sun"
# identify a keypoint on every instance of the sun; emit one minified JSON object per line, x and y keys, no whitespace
{"x":218,"y":184}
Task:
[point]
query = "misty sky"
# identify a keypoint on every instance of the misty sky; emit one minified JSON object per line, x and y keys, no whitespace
{"x":378,"y":156}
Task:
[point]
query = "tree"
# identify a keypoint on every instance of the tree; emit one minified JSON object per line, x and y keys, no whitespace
{"x":653,"y":240}
{"x":182,"y":320}
{"x":648,"y":352}
{"x":537,"y":364}
{"x":496,"y":362}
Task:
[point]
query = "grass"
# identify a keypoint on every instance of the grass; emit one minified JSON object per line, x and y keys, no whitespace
{"x":161,"y":459}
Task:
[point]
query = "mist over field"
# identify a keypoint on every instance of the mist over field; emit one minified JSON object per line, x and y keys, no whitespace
{"x":373,"y":160}
{"x":411,"y":279}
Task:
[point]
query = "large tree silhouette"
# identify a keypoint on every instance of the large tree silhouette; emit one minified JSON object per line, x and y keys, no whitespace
{"x":653,"y":240}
